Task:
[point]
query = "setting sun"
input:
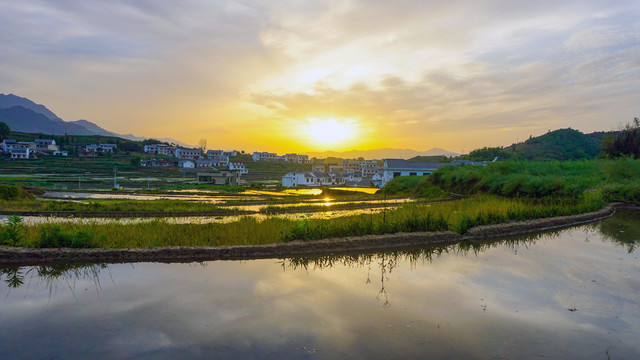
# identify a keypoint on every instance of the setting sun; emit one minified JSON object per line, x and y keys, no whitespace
{"x":330,"y":131}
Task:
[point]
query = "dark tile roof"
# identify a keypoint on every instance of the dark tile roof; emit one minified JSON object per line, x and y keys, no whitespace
{"x":404,"y":164}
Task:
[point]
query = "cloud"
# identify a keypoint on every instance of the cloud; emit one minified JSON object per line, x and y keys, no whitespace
{"x":436,"y":66}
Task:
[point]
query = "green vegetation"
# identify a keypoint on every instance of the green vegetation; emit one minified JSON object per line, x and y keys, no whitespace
{"x":613,"y":180}
{"x":13,"y":193}
{"x":625,"y":143}
{"x":458,"y":216}
{"x":119,"y":205}
{"x":562,"y":144}
{"x":5,"y":130}
{"x":412,"y":186}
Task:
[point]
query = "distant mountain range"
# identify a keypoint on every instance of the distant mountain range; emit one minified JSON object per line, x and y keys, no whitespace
{"x":383,"y":153}
{"x":24,"y":115}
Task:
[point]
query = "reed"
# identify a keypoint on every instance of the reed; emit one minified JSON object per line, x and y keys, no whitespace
{"x":458,"y":216}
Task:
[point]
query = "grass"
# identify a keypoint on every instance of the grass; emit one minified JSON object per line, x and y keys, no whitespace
{"x":456,"y":216}
{"x":109,"y":205}
{"x":568,"y":179}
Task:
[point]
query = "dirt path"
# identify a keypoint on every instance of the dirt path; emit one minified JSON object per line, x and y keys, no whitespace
{"x":22,"y":256}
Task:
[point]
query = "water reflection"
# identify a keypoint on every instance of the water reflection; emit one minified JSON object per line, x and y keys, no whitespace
{"x":621,"y":229}
{"x":507,"y":299}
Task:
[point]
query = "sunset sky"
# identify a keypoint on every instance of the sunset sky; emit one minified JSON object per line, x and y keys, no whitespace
{"x":302,"y":76}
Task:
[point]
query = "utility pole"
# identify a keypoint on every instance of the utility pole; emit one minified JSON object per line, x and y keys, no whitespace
{"x":79,"y":177}
{"x":148,"y":180}
{"x":115,"y":171}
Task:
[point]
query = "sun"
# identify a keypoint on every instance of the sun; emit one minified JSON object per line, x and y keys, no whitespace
{"x":330,"y":131}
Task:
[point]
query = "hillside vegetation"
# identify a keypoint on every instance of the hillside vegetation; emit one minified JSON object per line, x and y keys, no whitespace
{"x":561,"y":144}
{"x":613,"y":180}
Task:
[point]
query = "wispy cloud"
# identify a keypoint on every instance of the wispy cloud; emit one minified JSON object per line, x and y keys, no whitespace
{"x":406,"y":70}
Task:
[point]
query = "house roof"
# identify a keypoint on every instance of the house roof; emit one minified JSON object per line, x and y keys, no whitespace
{"x":407,"y":165}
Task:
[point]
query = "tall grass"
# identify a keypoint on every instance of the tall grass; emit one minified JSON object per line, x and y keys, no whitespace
{"x":568,"y":179}
{"x":458,"y":216}
{"x":160,"y":205}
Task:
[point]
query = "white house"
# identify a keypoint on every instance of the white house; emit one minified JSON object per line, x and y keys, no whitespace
{"x":46,"y":145}
{"x":20,"y":152}
{"x":187,"y":154}
{"x":317,"y":178}
{"x":163,"y":149}
{"x":265,"y":156}
{"x":187,"y":164}
{"x":7,"y":145}
{"x":234,"y":165}
{"x":100,"y":148}
{"x":61,"y":153}
{"x":400,"y":167}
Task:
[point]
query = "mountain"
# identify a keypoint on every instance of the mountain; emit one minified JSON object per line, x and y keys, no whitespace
{"x":383,"y":153}
{"x":25,"y":120}
{"x":10,"y":100}
{"x":561,"y":144}
{"x":24,"y":115}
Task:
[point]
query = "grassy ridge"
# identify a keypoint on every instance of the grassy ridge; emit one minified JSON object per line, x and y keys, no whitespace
{"x":458,"y":216}
{"x":108,"y":205}
{"x":614,"y":179}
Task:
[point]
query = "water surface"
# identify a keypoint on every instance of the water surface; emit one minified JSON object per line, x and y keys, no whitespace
{"x":567,"y":295}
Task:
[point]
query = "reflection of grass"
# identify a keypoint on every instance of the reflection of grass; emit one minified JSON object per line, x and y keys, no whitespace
{"x":622,"y":229}
{"x":456,"y":216}
{"x":108,"y":205}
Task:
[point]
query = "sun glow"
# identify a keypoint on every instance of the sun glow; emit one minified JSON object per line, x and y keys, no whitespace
{"x":331,"y":131}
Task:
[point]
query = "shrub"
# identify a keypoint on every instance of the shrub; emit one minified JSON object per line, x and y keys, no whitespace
{"x":52,"y":236}
{"x":14,"y":232}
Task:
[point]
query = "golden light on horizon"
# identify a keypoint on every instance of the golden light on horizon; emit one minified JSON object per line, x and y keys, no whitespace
{"x":330,"y":131}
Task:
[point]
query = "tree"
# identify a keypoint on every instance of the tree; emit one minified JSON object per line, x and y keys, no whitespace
{"x":202,"y":144}
{"x":5,"y":130}
{"x":626,"y":143}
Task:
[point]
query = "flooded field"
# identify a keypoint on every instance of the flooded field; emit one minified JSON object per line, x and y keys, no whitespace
{"x":571,"y":294}
{"x":328,"y":214}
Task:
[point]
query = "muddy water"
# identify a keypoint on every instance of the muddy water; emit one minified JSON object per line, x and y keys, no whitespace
{"x":566,"y":295}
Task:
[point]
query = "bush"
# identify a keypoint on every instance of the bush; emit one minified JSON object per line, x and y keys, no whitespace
{"x":14,"y":232}
{"x":52,"y":236}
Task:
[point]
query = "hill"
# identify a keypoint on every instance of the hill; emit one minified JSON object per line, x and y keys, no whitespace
{"x":383,"y":153}
{"x":26,"y":120}
{"x":8,"y":101}
{"x":561,"y":144}
{"x":39,"y":119}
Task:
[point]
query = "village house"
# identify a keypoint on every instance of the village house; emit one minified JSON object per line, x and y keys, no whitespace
{"x":219,"y":160}
{"x":159,"y":162}
{"x":265,"y":156}
{"x":7,"y":145}
{"x":45,"y":145}
{"x":400,"y":167}
{"x":61,"y":153}
{"x":211,"y":153}
{"x":318,"y":168}
{"x":187,"y":154}
{"x":318,"y":178}
{"x":20,"y":152}
{"x":100,"y":148}
{"x":187,"y":164}
{"x":235,"y":165}
{"x":222,"y":177}
{"x":154,"y":149}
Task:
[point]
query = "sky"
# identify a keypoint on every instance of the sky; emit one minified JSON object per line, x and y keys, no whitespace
{"x":296,"y":76}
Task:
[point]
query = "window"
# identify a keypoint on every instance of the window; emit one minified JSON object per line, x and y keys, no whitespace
{"x":396,"y":174}
{"x":413,"y":174}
